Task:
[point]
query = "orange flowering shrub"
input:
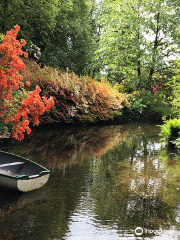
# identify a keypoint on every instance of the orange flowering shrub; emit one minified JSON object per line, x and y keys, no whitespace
{"x":18,"y":106}
{"x":77,"y":99}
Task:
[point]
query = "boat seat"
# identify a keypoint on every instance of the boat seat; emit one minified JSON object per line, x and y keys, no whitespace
{"x":11,"y":164}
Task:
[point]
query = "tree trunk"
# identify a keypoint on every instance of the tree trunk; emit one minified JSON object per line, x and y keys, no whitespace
{"x":139,"y":71}
{"x":151,"y":72}
{"x":139,"y":58}
{"x":139,"y":49}
{"x":139,"y":68}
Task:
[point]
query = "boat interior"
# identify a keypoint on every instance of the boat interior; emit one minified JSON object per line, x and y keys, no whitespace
{"x":16,"y":166}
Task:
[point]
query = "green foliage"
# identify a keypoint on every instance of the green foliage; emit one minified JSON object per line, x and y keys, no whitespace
{"x":36,"y":18}
{"x":135,"y":39}
{"x":63,"y":30}
{"x":3,"y":130}
{"x":129,"y":42}
{"x":73,"y":40}
{"x":146,"y":106}
{"x":170,"y":131}
{"x":177,"y":143}
{"x":137,"y":105}
{"x":174,"y":86}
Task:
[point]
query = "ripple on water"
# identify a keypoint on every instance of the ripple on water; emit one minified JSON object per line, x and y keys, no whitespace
{"x":105,"y":182}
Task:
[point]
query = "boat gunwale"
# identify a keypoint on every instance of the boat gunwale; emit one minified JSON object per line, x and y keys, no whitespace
{"x":25,"y":177}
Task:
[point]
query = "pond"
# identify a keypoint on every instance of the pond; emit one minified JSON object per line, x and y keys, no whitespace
{"x":105,"y":182}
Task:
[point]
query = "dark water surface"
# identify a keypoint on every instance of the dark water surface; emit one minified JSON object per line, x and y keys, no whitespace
{"x":105,"y":182}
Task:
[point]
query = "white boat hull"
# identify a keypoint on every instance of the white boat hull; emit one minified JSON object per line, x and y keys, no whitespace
{"x":32,"y":184}
{"x":23,"y":185}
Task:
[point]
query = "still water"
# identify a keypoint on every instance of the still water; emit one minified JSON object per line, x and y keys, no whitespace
{"x":105,"y":182}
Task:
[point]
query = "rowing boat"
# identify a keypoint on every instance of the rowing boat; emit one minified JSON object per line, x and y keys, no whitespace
{"x":21,"y":174}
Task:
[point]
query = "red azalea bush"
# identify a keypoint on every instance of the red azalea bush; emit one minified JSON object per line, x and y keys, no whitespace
{"x":18,"y":106}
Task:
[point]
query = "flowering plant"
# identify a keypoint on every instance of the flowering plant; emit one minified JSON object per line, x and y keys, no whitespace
{"x":18,"y":107}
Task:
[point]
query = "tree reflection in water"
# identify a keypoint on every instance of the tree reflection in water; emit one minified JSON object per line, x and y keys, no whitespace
{"x":134,"y":186}
{"x":111,"y":177}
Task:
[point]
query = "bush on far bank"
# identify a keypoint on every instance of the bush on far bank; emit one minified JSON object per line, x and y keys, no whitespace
{"x":77,"y":99}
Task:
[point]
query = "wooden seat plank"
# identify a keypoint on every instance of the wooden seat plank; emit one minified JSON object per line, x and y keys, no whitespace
{"x":11,"y":164}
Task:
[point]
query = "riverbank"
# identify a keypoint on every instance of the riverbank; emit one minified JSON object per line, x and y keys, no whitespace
{"x":48,"y":96}
{"x":100,"y":124}
{"x":86,"y":101}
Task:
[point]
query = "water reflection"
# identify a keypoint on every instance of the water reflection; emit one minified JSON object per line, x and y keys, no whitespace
{"x":105,"y":182}
{"x":59,"y":148}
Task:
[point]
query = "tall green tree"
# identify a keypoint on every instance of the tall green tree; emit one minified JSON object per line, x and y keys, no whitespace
{"x":64,"y":30}
{"x":36,"y":18}
{"x":72,"y":42}
{"x":137,"y":38}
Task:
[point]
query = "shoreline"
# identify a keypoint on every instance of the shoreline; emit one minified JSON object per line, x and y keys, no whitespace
{"x":84,"y":124}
